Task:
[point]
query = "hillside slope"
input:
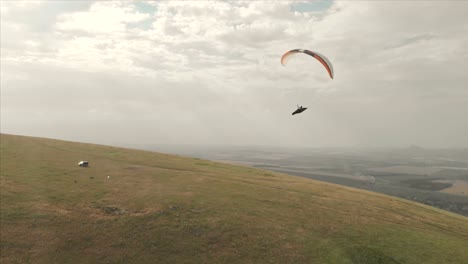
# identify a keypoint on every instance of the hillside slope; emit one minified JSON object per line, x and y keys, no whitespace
{"x":158,"y":208}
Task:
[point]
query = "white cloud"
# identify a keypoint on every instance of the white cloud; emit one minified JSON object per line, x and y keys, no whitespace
{"x":179,"y":70}
{"x":103,"y":18}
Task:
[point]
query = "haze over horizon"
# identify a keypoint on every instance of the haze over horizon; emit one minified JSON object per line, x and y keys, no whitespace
{"x":209,"y":72}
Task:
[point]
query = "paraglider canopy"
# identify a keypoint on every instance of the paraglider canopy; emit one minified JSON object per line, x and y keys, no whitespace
{"x":321,"y":58}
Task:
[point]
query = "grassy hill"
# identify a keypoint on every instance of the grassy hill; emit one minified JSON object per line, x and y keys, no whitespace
{"x":158,"y":208}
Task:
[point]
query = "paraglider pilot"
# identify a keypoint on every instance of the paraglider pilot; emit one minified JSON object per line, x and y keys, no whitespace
{"x":299,"y":110}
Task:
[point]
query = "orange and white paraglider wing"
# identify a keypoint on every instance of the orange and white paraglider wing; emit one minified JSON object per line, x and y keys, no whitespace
{"x":321,"y":58}
{"x":325,"y":62}
{"x":287,"y":55}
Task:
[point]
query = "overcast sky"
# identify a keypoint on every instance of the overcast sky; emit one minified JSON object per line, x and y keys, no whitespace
{"x":209,"y":72}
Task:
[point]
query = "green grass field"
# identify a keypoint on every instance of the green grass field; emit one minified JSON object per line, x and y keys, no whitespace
{"x":159,"y":208}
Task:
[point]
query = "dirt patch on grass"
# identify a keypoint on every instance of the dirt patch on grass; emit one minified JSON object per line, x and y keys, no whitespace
{"x":134,"y":167}
{"x":49,"y":208}
{"x":112,"y":211}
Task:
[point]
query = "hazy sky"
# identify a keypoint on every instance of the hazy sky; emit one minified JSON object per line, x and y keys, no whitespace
{"x":209,"y":72}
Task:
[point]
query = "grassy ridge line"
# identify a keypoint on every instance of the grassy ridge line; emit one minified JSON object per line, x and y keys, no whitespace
{"x":370,"y":193}
{"x":84,"y":149}
{"x":165,"y":208}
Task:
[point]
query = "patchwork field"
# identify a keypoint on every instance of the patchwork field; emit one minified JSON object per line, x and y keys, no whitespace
{"x":457,"y":186}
